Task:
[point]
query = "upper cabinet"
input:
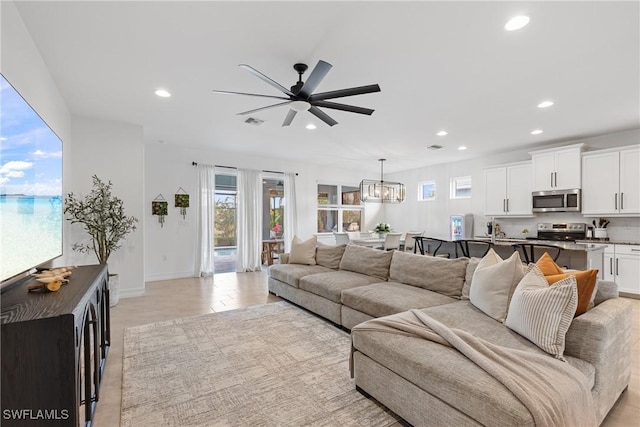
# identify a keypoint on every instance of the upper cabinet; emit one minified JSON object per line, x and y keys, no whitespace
{"x":611,"y":182}
{"x":508,"y":190}
{"x":556,"y":168}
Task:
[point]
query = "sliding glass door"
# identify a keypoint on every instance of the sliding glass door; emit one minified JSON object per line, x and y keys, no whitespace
{"x":225,"y":241}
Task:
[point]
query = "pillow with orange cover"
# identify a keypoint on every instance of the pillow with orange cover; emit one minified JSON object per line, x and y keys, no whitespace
{"x":586,"y":280}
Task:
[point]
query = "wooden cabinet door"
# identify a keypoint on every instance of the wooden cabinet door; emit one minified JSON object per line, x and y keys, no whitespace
{"x":600,"y":179}
{"x":543,"y":168}
{"x":495,"y":191}
{"x":519,"y":190}
{"x":568,"y":168}
{"x":629,"y":202}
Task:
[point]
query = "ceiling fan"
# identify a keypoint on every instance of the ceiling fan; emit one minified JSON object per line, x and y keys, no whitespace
{"x":301,"y":96}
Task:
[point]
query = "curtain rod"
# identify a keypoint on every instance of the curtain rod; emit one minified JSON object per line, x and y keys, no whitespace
{"x":233,"y":167}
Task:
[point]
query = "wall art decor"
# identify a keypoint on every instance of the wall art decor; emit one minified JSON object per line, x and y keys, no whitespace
{"x":182,"y":201}
{"x":160,"y":207}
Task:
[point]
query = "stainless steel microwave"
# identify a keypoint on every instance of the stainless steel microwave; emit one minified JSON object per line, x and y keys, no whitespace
{"x":557,"y":201}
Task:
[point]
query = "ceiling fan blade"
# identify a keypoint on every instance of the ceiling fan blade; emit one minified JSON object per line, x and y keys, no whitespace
{"x":266,"y":79}
{"x":343,"y":107}
{"x":322,"y":116}
{"x":244,"y":113}
{"x":226,"y":92}
{"x":290,"y":115}
{"x":317,"y":75}
{"x":360,"y":90}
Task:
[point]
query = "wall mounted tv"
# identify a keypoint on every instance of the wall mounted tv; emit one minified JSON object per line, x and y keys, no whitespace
{"x":30,"y":187}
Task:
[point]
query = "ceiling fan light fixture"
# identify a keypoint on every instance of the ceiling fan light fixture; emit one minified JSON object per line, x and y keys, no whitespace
{"x":300,"y":106}
{"x":372,"y":191}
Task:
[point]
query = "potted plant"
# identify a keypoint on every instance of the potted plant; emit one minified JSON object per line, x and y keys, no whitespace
{"x":102,"y":215}
{"x":382,"y":228}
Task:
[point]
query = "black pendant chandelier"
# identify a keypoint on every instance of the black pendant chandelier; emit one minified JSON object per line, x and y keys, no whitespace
{"x":372,"y":191}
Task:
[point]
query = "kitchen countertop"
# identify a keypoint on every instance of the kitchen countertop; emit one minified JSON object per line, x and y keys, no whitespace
{"x":586,"y":246}
{"x":608,"y":242}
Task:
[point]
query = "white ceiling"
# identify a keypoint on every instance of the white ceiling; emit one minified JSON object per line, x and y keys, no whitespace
{"x":441,"y":65}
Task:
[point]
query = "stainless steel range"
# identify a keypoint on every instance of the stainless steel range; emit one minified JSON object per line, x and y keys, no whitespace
{"x":565,"y":232}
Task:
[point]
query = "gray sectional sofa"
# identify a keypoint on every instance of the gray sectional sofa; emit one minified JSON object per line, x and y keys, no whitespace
{"x":427,"y":383}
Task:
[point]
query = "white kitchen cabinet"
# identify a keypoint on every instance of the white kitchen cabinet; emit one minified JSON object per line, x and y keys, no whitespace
{"x":508,"y":190}
{"x":623,"y":267}
{"x":557,"y":169}
{"x":611,"y":182}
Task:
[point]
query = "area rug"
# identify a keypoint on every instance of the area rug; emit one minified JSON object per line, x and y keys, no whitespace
{"x":268,"y":365}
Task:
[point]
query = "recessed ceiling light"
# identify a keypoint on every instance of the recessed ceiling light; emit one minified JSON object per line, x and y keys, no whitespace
{"x":536,"y":132}
{"x":462,"y":147}
{"x":545,"y":104}
{"x":162,"y":93}
{"x":442,"y":133}
{"x":311,"y":126}
{"x":516,"y":23}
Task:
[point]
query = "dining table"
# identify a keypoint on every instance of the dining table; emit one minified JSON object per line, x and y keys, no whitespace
{"x":372,"y":242}
{"x":271,"y":249}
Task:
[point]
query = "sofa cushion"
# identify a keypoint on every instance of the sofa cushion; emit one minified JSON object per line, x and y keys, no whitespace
{"x":494,"y":282}
{"x":291,"y":273}
{"x":447,"y":374}
{"x":371,"y":262}
{"x":442,"y":275}
{"x":303,"y":252}
{"x":382,"y":299}
{"x":331,"y":284}
{"x":543,"y":313}
{"x":329,"y":256}
{"x":471,"y":268}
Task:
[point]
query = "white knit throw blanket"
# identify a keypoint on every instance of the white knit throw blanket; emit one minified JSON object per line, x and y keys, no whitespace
{"x":555,"y":393}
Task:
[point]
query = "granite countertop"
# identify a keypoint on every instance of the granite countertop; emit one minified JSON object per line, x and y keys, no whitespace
{"x":586,"y":246}
{"x":608,"y":242}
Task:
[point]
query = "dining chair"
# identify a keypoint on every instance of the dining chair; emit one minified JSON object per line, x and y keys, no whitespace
{"x":391,"y":242}
{"x":530,"y":250}
{"x":409,"y":241}
{"x":470,"y":247}
{"x":341,"y":238}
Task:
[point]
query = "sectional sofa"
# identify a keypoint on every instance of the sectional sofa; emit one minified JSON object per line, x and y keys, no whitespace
{"x":426,"y":383}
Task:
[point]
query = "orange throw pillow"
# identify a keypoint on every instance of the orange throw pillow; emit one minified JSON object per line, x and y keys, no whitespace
{"x":586,"y":280}
{"x":548,"y":266}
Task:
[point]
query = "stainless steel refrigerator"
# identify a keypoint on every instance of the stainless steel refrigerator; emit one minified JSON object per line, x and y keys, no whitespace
{"x":461,"y":226}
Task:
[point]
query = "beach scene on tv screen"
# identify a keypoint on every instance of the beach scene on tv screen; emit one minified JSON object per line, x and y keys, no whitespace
{"x":30,"y":186}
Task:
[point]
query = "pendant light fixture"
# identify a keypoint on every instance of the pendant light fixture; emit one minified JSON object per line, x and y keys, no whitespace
{"x":372,"y":191}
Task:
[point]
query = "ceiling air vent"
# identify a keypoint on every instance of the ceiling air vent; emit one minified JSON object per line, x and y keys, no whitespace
{"x":434,"y":147}
{"x":254,"y":121}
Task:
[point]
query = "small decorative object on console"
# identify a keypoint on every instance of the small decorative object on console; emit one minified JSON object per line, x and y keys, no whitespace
{"x":51,"y":280}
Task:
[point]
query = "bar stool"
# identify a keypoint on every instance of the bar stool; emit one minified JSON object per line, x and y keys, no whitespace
{"x":466,"y":250}
{"x":528,"y":250}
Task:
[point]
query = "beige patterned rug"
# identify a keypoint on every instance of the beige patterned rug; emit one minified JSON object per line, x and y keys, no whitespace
{"x":269,"y":365}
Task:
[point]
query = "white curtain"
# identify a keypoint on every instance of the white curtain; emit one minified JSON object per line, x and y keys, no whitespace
{"x":249,"y":220}
{"x":290,"y":213}
{"x":205,"y":242}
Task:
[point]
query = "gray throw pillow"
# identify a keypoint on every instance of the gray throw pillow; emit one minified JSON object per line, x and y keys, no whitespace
{"x":329,"y":256}
{"x":303,"y":252}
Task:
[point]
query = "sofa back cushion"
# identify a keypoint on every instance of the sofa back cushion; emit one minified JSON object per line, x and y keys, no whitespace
{"x":441,"y":275}
{"x":303,"y":252}
{"x":372,"y":262}
{"x":329,"y":256}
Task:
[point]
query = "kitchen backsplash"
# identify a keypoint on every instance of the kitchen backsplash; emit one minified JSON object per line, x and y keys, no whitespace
{"x":619,"y":229}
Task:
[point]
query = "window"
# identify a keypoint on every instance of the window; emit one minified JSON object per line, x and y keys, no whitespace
{"x":427,"y":190}
{"x":460,"y":187}
{"x":339,"y":208}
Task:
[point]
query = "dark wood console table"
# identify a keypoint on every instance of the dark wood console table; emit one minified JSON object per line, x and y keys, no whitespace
{"x":54,"y":350}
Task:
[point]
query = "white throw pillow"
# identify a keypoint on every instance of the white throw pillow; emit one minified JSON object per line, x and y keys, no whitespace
{"x":494,"y":282}
{"x":543,"y":313}
{"x":303,"y":252}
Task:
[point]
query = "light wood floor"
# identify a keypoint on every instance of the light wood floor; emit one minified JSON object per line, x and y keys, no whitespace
{"x":173,"y":299}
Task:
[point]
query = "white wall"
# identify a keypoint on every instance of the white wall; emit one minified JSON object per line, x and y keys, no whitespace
{"x":170,"y":249}
{"x":433,"y":216}
{"x":114,"y":152}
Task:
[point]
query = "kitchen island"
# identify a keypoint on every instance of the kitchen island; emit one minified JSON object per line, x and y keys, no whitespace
{"x":577,"y":256}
